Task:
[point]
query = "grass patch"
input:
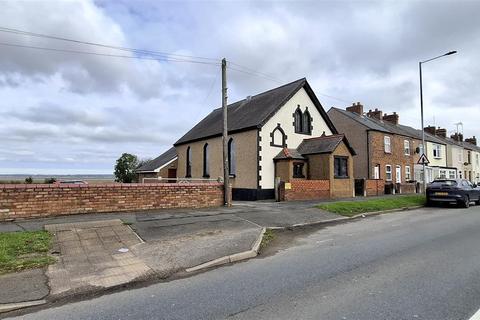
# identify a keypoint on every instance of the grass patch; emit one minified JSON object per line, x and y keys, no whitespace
{"x":268,"y":237}
{"x":351,"y":208}
{"x":24,"y":250}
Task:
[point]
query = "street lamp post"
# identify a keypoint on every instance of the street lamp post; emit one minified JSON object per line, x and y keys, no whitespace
{"x":421,"y":110}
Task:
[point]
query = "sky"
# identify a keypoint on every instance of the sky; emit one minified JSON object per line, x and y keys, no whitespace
{"x":74,"y":113}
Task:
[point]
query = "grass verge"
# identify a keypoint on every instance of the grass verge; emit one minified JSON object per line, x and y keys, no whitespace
{"x":24,"y":250}
{"x":351,"y":208}
{"x":268,"y":237}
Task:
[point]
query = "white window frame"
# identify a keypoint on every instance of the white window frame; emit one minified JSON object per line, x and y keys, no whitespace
{"x":408,"y":174}
{"x":437,"y":151}
{"x":388,"y":172}
{"x":387,"y":143}
{"x":451,"y":174}
{"x":406,"y":147}
{"x":442,"y":174}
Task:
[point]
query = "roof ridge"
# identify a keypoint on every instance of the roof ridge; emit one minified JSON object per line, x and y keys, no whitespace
{"x":260,"y":93}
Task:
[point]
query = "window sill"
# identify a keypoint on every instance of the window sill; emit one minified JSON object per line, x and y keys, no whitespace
{"x":232,"y":176}
{"x":341,"y":177}
{"x":298,"y":177}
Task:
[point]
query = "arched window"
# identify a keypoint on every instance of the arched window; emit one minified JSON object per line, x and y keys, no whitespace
{"x":298,"y":119}
{"x":206,"y":167}
{"x":232,"y":159}
{"x":307,"y":122}
{"x":189,"y":163}
{"x":278,"y":137}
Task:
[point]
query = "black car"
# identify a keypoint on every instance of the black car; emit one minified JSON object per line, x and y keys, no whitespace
{"x":460,"y":191}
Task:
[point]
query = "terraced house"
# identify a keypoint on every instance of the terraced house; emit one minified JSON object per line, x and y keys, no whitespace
{"x":283,"y":132}
{"x":387,"y":150}
{"x":463,"y":155}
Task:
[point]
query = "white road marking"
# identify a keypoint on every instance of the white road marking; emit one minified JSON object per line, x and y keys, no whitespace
{"x":476,"y":316}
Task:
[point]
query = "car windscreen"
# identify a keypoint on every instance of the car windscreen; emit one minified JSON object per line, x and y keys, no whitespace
{"x":443,"y":183}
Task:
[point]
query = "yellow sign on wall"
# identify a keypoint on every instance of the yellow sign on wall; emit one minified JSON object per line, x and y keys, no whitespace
{"x":288,"y":186}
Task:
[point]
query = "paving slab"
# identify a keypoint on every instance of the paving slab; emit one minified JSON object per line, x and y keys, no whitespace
{"x":271,"y":214}
{"x":93,"y":254}
{"x":29,"y":285}
{"x":173,"y":248}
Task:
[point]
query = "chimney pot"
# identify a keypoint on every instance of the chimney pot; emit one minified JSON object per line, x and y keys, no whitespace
{"x":356,"y":108}
{"x":392,"y":118}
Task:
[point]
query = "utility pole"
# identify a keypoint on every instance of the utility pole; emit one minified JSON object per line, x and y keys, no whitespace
{"x":424,"y":149}
{"x":226,"y":170}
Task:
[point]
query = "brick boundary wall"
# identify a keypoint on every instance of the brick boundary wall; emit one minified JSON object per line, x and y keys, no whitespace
{"x":408,"y":188}
{"x":23,"y":201}
{"x":374,"y":187}
{"x":308,"y":190}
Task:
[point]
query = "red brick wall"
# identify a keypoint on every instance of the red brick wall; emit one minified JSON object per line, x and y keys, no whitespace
{"x":374,"y":187}
{"x":23,"y":201}
{"x":378,"y":156}
{"x":407,"y":188}
{"x":308,"y":190}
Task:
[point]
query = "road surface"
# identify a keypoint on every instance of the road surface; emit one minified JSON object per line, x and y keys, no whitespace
{"x":420,"y":264}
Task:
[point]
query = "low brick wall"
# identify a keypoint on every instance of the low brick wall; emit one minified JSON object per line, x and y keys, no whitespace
{"x":308,"y":190}
{"x":406,"y":188}
{"x":374,"y":187}
{"x":22,"y":201}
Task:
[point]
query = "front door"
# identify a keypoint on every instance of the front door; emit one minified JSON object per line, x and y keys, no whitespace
{"x":376,"y":172}
{"x":172,"y":175}
{"x":398,"y":174}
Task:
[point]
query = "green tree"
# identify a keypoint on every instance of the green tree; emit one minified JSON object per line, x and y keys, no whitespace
{"x":50,"y":180}
{"x":29,"y":180}
{"x":125,"y":168}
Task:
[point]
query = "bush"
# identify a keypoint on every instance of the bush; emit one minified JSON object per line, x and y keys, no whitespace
{"x":50,"y":180}
{"x":29,"y":180}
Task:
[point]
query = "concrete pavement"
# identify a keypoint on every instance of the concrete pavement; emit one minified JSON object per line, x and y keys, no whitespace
{"x":419,"y":264}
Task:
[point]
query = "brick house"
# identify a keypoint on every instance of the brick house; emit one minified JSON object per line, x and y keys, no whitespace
{"x":163,"y":166}
{"x":463,"y":155}
{"x":260,"y":128}
{"x":385,"y":149}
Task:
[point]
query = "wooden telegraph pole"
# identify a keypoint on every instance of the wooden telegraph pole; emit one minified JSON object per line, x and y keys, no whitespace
{"x":226,"y":171}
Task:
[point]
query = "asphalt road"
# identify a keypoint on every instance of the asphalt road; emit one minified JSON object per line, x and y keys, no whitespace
{"x":421,"y":264}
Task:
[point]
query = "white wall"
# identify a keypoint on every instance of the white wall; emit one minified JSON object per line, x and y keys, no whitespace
{"x":442,"y":161}
{"x":284,"y":116}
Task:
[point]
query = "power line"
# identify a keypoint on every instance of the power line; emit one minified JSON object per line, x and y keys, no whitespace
{"x":150,"y":52}
{"x":106,"y":54}
{"x":154,"y":55}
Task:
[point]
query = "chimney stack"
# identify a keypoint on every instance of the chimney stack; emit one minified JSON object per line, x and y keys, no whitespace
{"x":457,"y":137}
{"x":471,"y":140}
{"x":356,"y":108}
{"x":392,"y":118}
{"x":377,"y":114}
{"x":442,"y":132}
{"x":431,"y":129}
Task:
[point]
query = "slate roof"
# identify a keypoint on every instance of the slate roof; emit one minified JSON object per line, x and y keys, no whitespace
{"x":323,"y":144}
{"x":252,"y":112}
{"x":159,"y":161}
{"x":364,"y":120}
{"x":289,"y":154}
{"x":385,"y":126}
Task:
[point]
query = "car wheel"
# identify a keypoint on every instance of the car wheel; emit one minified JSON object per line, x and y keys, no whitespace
{"x":466,"y":202}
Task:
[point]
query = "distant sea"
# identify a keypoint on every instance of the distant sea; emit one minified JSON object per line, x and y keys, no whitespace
{"x":6,"y":178}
